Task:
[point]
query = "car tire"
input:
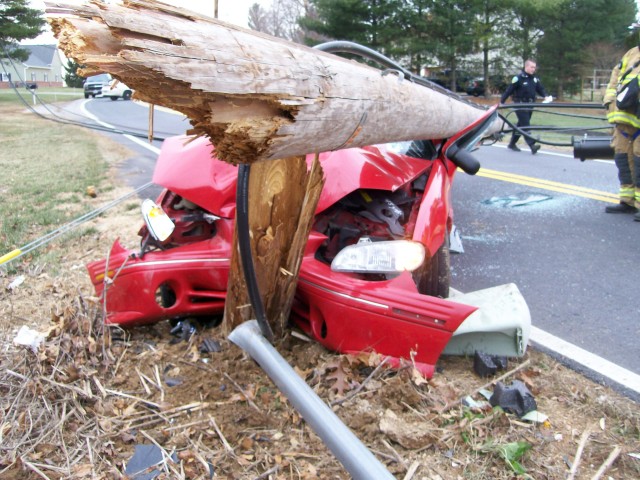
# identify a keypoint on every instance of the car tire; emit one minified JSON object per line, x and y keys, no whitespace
{"x":114,"y":98}
{"x":433,"y":277}
{"x":86,"y":95}
{"x":126,"y":95}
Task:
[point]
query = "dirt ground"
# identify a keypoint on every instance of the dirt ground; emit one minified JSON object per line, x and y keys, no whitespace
{"x":81,"y":405}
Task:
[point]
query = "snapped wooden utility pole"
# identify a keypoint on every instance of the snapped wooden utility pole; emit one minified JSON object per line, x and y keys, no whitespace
{"x":257,"y":98}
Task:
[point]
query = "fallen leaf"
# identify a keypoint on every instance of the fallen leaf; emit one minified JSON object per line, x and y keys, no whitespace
{"x":341,"y":383}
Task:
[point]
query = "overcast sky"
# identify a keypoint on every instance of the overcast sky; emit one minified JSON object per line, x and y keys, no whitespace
{"x":232,"y":11}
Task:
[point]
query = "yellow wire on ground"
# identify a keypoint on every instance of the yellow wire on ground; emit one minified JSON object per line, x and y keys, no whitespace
{"x":10,"y":256}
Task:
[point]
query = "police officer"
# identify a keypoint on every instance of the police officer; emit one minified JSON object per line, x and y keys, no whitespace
{"x":626,"y":134}
{"x":524,"y":87}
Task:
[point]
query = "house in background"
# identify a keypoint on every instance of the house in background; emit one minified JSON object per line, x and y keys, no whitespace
{"x":44,"y":67}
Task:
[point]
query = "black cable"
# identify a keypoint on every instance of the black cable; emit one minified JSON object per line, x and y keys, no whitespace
{"x":512,"y":107}
{"x":242,"y":188}
{"x":342,"y":46}
{"x":589,"y":106}
{"x":244,"y":247}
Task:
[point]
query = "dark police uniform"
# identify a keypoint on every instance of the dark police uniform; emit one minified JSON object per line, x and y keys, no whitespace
{"x":523,"y":88}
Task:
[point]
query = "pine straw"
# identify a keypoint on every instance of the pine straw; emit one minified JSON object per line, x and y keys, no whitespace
{"x":78,"y":407}
{"x":51,"y":397}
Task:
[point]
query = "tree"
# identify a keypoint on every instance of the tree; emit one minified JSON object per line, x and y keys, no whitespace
{"x":18,"y":22}
{"x":371,"y":23}
{"x":569,"y":35}
{"x":450,"y":22}
{"x":492,"y":19}
{"x":259,"y":19}
{"x":281,"y":19}
{"x":413,"y":42}
{"x":491,"y":36}
{"x":523,"y":27}
{"x":71,"y":78}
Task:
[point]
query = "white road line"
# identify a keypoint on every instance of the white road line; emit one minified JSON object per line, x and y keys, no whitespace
{"x":593,"y":362}
{"x":142,"y":143}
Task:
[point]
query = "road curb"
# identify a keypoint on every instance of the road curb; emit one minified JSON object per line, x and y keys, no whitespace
{"x":591,"y":365}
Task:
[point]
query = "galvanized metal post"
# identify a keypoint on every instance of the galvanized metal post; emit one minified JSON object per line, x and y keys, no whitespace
{"x":347,"y":448}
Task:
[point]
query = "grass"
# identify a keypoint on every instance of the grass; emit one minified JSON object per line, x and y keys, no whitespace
{"x":559,"y":125}
{"x":43,"y":94}
{"x":46,"y":168}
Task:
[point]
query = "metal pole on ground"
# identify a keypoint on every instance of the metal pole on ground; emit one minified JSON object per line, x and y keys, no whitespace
{"x":347,"y":448}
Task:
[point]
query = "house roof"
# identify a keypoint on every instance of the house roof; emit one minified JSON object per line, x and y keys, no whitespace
{"x":40,"y":55}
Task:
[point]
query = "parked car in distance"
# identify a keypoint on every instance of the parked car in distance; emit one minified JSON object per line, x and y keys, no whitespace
{"x":446,"y":83}
{"x":475,"y":87}
{"x":93,"y":85}
{"x":116,"y":89}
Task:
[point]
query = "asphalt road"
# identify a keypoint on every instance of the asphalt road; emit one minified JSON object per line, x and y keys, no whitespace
{"x":536,"y":221}
{"x":539,"y":222}
{"x":133,"y":118}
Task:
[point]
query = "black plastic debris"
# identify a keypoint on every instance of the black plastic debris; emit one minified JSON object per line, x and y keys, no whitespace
{"x":486,"y":365}
{"x":183,"y":330}
{"x":515,"y":398}
{"x":173,"y":381}
{"x":146,"y":463}
{"x":483,"y":365}
{"x":209,"y":345}
{"x":500,"y":361}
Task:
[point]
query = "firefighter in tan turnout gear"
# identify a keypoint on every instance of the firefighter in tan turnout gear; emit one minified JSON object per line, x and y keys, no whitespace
{"x":626,"y":134}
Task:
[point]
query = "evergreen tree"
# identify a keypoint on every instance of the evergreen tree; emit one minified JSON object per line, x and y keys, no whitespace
{"x":491,"y":22}
{"x":370,"y":23}
{"x":569,"y":34}
{"x":492,"y":36}
{"x":413,"y":41}
{"x":71,"y":78}
{"x":18,"y":22}
{"x":524,"y":27}
{"x":449,"y":25}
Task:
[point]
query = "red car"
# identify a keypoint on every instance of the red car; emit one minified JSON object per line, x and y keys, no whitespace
{"x":375,"y":274}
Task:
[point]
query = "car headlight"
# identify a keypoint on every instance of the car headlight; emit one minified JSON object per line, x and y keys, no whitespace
{"x":158,"y":222}
{"x":379,"y":257}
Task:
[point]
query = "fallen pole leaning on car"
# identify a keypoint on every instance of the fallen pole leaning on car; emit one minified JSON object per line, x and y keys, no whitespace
{"x":257,"y":97}
{"x":347,"y":448}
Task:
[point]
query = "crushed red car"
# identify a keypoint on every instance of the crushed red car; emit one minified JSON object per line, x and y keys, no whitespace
{"x":375,"y":272}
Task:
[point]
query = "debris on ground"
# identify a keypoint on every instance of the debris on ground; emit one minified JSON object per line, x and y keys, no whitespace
{"x":515,"y":398}
{"x":82,"y":404}
{"x":78,"y":406}
{"x":486,"y":365}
